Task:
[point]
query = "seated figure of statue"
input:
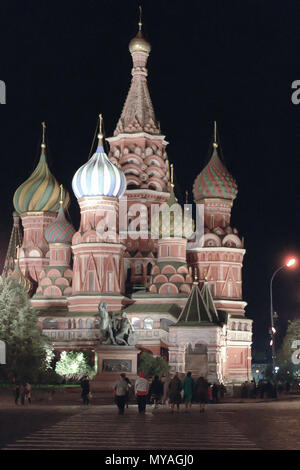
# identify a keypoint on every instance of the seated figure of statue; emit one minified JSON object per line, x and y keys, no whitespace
{"x":124,"y":330}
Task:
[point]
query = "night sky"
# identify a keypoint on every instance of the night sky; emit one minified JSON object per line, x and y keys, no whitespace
{"x":233,"y":62}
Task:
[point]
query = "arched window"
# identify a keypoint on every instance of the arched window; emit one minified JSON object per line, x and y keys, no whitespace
{"x":148,"y":323}
{"x":136,"y":322}
{"x":89,"y":323}
{"x":240,"y":327}
{"x":233,"y":326}
{"x":80,"y":323}
{"x":69,"y":324}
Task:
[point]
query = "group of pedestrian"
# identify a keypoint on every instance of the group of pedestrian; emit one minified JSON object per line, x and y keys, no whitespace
{"x":263,"y":389}
{"x":172,"y":391}
{"x":23,"y":392}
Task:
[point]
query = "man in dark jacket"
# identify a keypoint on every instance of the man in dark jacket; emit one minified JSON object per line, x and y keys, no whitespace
{"x":156,"y":391}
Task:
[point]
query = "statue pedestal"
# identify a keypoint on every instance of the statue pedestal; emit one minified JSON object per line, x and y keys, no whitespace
{"x":112,"y":360}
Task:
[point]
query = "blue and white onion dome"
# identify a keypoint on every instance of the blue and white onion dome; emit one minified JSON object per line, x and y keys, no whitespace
{"x":99,"y":177}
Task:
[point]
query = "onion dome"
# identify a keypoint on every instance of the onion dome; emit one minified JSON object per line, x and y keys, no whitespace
{"x":40,"y":192}
{"x":60,"y":231}
{"x":214,"y":181}
{"x":99,"y":177}
{"x":139,"y":43}
{"x":170,"y":224}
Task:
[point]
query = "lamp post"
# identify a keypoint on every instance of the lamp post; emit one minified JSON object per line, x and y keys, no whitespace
{"x":290,"y":262}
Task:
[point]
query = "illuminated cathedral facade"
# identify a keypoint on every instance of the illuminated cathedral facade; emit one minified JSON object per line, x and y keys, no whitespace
{"x":184,"y":300}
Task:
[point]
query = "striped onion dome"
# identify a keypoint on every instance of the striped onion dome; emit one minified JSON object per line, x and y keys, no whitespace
{"x":60,"y":231}
{"x":214,"y":181}
{"x":99,"y":177}
{"x":40,"y":192}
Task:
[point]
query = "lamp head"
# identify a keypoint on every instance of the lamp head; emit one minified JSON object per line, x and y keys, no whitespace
{"x":291,"y":262}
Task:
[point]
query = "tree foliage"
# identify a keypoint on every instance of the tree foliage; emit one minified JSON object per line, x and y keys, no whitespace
{"x":28,"y":352}
{"x":152,"y":365}
{"x":74,"y":365}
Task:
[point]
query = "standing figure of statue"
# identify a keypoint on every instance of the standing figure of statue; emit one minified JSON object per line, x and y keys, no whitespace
{"x":106,"y":331}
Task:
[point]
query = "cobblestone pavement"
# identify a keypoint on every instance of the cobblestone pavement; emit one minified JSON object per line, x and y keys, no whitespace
{"x":101,"y":428}
{"x":273,"y":425}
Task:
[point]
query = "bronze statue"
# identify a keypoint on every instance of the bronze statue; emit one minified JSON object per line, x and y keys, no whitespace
{"x":114,"y":330}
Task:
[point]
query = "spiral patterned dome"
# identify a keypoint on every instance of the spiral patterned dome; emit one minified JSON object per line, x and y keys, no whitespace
{"x":40,"y":192}
{"x":60,"y":231}
{"x":214,"y":181}
{"x":99,"y":177}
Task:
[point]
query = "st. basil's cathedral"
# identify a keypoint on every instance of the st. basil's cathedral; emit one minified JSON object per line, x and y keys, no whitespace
{"x":184,"y":302}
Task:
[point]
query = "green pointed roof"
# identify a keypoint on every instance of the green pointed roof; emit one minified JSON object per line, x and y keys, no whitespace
{"x":196,"y":310}
{"x":209,"y":302}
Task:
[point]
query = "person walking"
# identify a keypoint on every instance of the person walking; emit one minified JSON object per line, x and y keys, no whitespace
{"x":85,"y":385}
{"x":156,"y":391}
{"x":23,"y":393}
{"x":188,"y":390}
{"x":201,"y":393}
{"x":141,"y":388}
{"x":215,"y":393}
{"x":222,"y":389}
{"x":166,"y":382}
{"x":121,"y":390}
{"x":128,"y":390}
{"x":28,"y":392}
{"x":261,"y":389}
{"x":253,"y":389}
{"x":175,"y":388}
{"x":17,"y":393}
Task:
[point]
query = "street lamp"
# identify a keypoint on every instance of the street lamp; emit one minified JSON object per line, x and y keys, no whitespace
{"x":289,"y":263}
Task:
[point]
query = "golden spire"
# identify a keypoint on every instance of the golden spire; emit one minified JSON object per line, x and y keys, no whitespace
{"x":100,"y":135}
{"x":172,"y":176}
{"x":140,"y":19}
{"x":215,"y":135}
{"x":43,"y":145}
{"x":139,"y":44}
{"x":61,"y":199}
